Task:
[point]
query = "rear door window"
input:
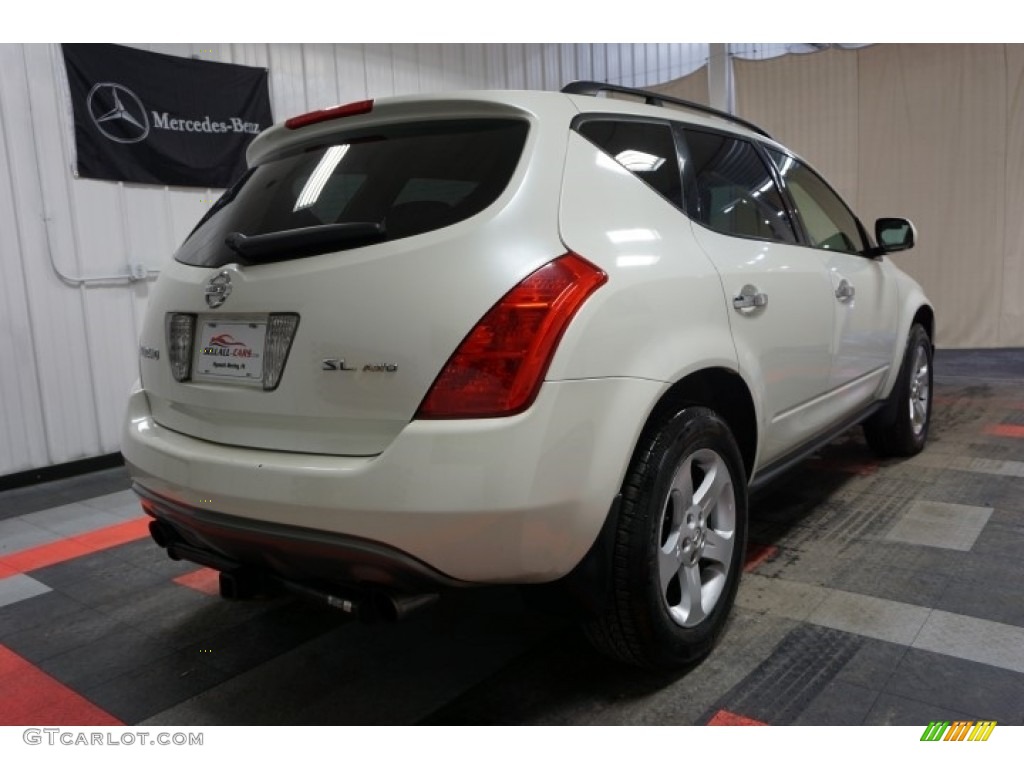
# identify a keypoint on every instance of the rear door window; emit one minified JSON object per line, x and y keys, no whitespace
{"x":731,"y":190}
{"x":409,"y":179}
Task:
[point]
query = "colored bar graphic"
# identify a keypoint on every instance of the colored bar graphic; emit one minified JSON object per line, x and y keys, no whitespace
{"x":935,"y":730}
{"x":982,"y":730}
{"x":960,"y":730}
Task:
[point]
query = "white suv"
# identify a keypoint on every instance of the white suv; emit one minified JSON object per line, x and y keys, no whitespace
{"x":428,"y":343}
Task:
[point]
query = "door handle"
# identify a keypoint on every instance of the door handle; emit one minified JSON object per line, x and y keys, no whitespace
{"x":750,"y":298}
{"x":845,"y":291}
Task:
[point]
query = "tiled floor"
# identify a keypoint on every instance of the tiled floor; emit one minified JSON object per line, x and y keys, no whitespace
{"x":876,"y":593}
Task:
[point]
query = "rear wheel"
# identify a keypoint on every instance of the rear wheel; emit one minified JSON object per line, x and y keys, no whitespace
{"x":679,"y":545}
{"x":902,"y":429}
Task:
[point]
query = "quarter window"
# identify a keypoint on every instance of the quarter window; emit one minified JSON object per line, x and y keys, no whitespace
{"x":732,"y":190}
{"x":647,"y":150}
{"x":826,"y":219}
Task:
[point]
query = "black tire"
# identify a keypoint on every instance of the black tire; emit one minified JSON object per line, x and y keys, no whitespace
{"x":901,"y":428}
{"x":651,"y":620}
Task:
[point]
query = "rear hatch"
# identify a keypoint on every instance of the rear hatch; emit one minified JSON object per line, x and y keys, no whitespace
{"x":315,"y":305}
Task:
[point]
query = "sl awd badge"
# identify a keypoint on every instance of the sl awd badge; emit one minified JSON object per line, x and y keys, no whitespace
{"x":338,"y":364}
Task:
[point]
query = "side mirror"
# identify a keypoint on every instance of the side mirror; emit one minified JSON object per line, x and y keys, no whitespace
{"x":895,"y":235}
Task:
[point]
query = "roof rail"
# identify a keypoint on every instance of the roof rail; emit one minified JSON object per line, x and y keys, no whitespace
{"x":592,"y":88}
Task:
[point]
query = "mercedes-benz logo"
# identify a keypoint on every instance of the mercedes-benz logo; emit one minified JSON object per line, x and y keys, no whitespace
{"x":218,"y":289}
{"x":117,"y":113}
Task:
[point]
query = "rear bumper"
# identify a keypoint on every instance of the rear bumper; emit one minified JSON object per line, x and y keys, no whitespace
{"x":301,"y":555}
{"x":516,"y":500}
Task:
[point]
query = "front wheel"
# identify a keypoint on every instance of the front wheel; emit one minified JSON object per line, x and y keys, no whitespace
{"x":679,"y":546}
{"x":902,"y":429}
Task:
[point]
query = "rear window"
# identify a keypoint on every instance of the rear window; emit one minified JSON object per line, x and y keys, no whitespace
{"x":408,"y":179}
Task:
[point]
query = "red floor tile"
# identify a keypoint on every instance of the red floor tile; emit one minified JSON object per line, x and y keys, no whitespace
{"x":757,"y":554}
{"x":1005,"y":430}
{"x":724,"y":717}
{"x":74,"y":546}
{"x":205,"y":580}
{"x":31,"y":697}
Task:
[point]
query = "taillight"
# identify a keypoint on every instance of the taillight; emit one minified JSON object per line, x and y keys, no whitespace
{"x":498,"y":368}
{"x":280,"y":333}
{"x":181,"y":330}
{"x":331,"y":113}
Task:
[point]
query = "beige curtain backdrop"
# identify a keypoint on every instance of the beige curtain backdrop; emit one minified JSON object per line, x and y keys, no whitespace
{"x":692,"y":87}
{"x":931,"y":132}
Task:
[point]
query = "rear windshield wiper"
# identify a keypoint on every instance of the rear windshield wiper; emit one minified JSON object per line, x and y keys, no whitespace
{"x":305,"y":241}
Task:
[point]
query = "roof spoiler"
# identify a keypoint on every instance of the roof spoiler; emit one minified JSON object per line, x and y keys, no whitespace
{"x":593,"y":88}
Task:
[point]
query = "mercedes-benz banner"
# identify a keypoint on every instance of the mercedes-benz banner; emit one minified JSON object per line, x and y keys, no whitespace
{"x":157,"y":119}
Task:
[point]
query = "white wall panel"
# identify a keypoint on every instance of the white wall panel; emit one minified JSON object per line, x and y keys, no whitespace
{"x":22,"y":440}
{"x":380,"y":73}
{"x":515,"y":63}
{"x":568,"y":63}
{"x":495,"y":67}
{"x":474,"y":59}
{"x":584,"y":61}
{"x":56,"y":316}
{"x":453,"y":69}
{"x":350,"y":64}
{"x":69,"y":352}
{"x":599,"y":61}
{"x":287,"y":79}
{"x":321,"y":75}
{"x":614,"y":70}
{"x":534,"y":65}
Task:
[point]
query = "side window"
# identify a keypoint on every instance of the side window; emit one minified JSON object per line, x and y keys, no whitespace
{"x":645,"y":149}
{"x":826,"y":219}
{"x":733,"y":191}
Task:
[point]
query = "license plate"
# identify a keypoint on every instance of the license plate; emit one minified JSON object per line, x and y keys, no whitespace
{"x":230,"y":350}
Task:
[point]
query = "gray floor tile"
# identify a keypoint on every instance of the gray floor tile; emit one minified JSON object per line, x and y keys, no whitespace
{"x":40,"y":611}
{"x":157,"y":686}
{"x":180,"y":616}
{"x":999,"y":601}
{"x":989,"y":466}
{"x":53,"y":638}
{"x":14,"y":589}
{"x":22,"y":501}
{"x":987,"y":642}
{"x":72,"y":519}
{"x":889,"y":709}
{"x":973,"y":691}
{"x":800,"y":668}
{"x":977,"y":490}
{"x":118,"y":651}
{"x":779,"y":597}
{"x":998,"y":540}
{"x":937,"y":524}
{"x":841,"y":703}
{"x":872,"y":665}
{"x":870,"y":616}
{"x":924,"y":588}
{"x":362,"y":674}
{"x":18,"y":534}
{"x":112,"y":500}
